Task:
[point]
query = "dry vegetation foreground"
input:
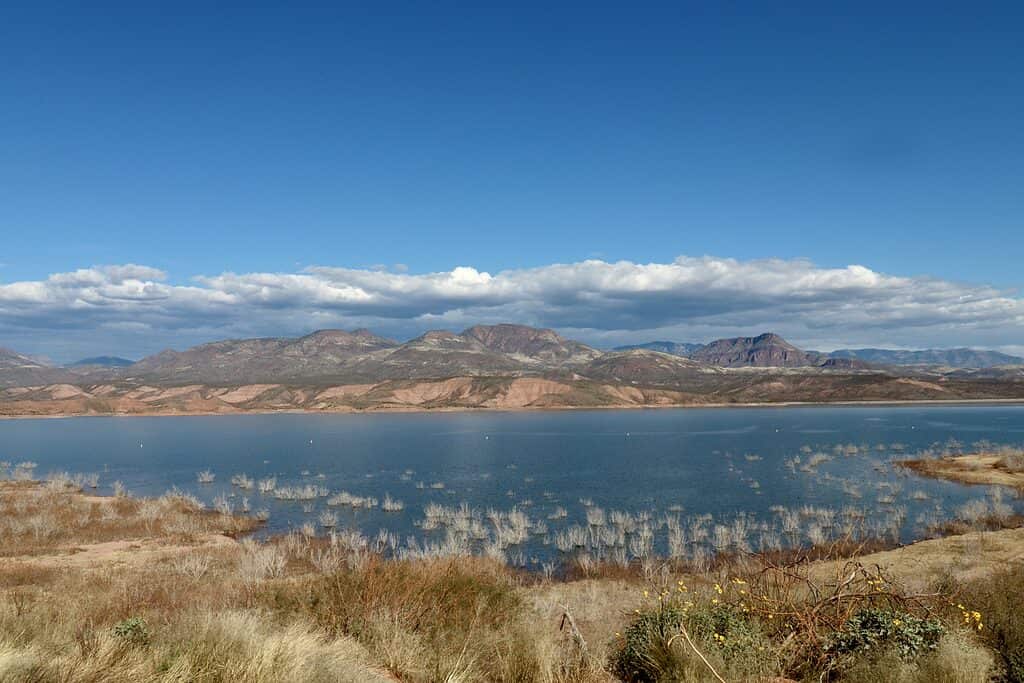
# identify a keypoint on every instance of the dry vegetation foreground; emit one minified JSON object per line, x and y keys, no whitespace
{"x":124,"y":589}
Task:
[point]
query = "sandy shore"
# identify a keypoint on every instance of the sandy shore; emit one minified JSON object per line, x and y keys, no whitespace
{"x":977,"y":468}
{"x":473,"y":409}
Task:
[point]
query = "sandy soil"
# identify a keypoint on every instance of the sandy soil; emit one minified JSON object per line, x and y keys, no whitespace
{"x":978,"y":468}
{"x":110,"y":554}
{"x":427,"y":392}
{"x":246,"y":393}
{"x":526,"y":392}
{"x":123,"y":407}
{"x":967,"y":556}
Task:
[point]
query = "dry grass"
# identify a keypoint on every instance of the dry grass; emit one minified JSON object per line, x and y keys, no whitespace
{"x":1001,"y":468}
{"x":37,"y":520}
{"x":958,"y":659}
{"x":331,"y":609}
{"x":295,"y":608}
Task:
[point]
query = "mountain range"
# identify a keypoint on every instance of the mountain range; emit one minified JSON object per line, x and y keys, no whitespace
{"x":670,"y":347}
{"x":20,"y":370}
{"x":954,"y":358}
{"x":770,"y":350}
{"x":485,"y":366}
{"x":103,"y":362}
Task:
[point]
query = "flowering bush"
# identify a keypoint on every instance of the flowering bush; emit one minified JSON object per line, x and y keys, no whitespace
{"x":663,"y":641}
{"x":874,"y":631}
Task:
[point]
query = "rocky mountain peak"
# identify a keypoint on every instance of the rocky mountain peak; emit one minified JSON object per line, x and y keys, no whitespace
{"x":531,"y":342}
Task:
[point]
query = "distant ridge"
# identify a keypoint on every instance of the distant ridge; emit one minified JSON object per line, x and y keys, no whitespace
{"x":103,"y":362}
{"x":17,"y":369}
{"x":486,"y":366}
{"x":535,"y":343}
{"x":337,"y":357}
{"x":764,"y":350}
{"x":771,"y":350}
{"x":674,"y":348}
{"x":954,"y":358}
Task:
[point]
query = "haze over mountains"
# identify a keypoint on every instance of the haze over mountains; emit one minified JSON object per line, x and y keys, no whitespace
{"x":102,"y":361}
{"x":770,"y":350}
{"x":504,"y":349}
{"x":954,"y":358}
{"x":674,"y":348}
{"x":504,"y":366}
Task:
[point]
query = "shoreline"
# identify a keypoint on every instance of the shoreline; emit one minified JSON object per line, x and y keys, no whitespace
{"x":972,"y":469}
{"x":472,"y":409}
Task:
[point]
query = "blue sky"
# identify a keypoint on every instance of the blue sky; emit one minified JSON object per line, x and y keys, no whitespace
{"x":271,"y":139}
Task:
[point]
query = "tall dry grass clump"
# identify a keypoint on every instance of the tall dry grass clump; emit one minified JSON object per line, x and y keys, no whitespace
{"x":459,"y":619}
{"x":999,"y":598}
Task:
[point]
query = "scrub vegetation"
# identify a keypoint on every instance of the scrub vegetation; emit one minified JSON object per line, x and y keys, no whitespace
{"x":125,"y":589}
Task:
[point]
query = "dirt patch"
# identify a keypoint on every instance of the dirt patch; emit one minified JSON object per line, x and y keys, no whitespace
{"x":429,"y":392}
{"x":121,"y":553}
{"x":600,"y":607}
{"x":967,"y":556}
{"x":527,"y":391}
{"x":246,"y":393}
{"x":344,"y":391}
{"x":63,"y":391}
{"x":920,"y":384}
{"x":173,"y":392}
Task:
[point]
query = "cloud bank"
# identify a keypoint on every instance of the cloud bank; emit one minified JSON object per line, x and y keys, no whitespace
{"x":134,"y":309}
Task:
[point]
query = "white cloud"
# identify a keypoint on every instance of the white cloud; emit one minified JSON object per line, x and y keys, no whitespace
{"x":598,"y":301}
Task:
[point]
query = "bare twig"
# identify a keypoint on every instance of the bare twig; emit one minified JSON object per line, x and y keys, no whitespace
{"x":576,"y":635}
{"x":686,"y":636}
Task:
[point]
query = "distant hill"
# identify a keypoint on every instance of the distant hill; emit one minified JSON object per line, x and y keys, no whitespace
{"x":540,"y":345}
{"x":765,"y":350}
{"x":955,"y":358}
{"x":485,"y":366}
{"x":650,"y":368}
{"x":102,"y":362}
{"x":318,"y":355}
{"x":17,"y":369}
{"x":10,"y":360}
{"x":733,"y":368}
{"x":361,"y":356}
{"x":674,"y":348}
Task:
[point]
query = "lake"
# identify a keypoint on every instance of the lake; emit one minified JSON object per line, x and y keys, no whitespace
{"x":611,"y":481}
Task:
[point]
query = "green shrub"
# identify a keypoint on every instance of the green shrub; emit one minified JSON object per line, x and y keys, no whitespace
{"x":957,"y":659}
{"x":132,"y":630}
{"x":878,"y":632}
{"x":653,"y":649}
{"x":650,"y":630}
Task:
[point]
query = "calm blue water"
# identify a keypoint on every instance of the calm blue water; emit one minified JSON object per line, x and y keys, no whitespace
{"x":688,"y":462}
